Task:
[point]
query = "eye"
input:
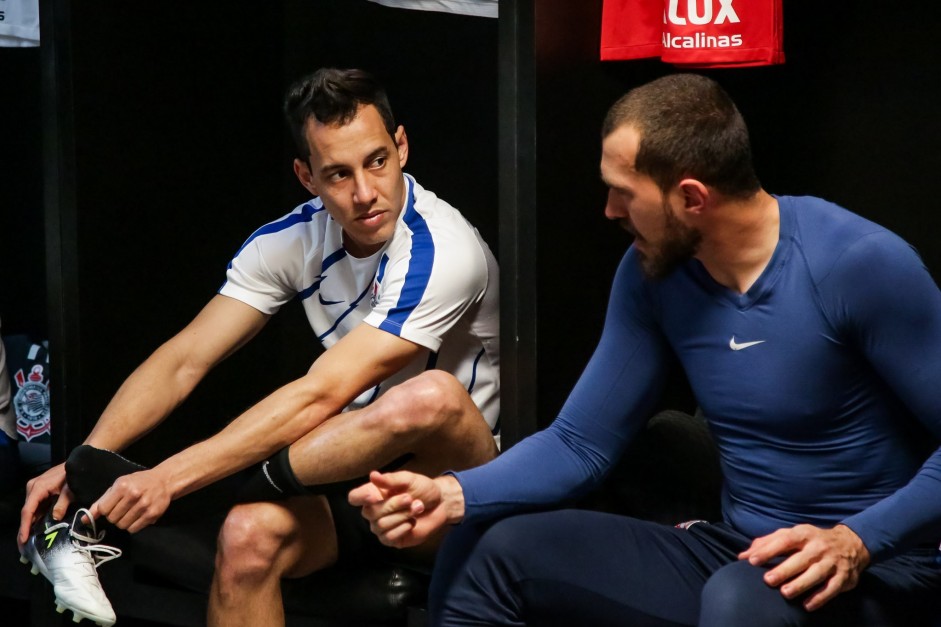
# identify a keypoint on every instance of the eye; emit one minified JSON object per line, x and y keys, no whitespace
{"x":336,"y":177}
{"x":378,"y":162}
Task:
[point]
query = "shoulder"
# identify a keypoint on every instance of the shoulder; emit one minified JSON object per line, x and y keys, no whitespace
{"x":294,"y":232}
{"x":303,"y":222}
{"x":635,"y":294}
{"x":431,"y":231}
{"x":836,"y":242}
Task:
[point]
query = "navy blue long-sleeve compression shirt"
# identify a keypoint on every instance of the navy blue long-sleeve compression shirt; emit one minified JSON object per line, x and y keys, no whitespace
{"x":821,"y":385}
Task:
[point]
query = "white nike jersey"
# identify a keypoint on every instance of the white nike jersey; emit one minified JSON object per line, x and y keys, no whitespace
{"x":435,"y":283}
{"x":19,"y":23}
{"x":481,"y":8}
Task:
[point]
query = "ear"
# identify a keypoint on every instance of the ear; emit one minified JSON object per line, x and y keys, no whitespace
{"x":401,"y":144}
{"x":695,"y":196}
{"x":303,"y":174}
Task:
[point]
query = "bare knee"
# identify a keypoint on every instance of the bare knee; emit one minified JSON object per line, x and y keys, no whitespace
{"x":422,"y":404}
{"x":250,"y":542}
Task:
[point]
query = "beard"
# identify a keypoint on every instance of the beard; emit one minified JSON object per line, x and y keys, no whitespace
{"x":678,"y":246}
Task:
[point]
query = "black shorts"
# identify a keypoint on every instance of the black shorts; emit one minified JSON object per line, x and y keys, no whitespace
{"x":356,"y":543}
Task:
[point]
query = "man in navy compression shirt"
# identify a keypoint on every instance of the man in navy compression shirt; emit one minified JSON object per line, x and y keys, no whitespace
{"x":811,"y":339}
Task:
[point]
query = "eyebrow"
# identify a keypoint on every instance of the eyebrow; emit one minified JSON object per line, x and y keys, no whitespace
{"x":330,"y":168}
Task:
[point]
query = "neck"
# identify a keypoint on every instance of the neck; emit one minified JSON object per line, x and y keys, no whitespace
{"x":741,"y":240}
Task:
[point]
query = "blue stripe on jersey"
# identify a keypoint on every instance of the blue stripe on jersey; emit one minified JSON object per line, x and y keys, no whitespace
{"x":345,"y":313}
{"x":470,"y":388}
{"x":309,"y":291}
{"x":331,"y":259}
{"x":375,"y":393}
{"x":382,"y":268}
{"x":419,"y":270}
{"x":306,"y":214}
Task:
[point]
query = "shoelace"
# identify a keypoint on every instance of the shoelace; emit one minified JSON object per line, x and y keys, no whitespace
{"x":99,"y":553}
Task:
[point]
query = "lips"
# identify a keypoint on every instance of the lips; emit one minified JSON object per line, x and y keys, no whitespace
{"x":627,"y":226}
{"x":372,"y":218}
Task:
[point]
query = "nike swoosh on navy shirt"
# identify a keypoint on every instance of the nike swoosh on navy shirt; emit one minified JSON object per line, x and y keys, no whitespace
{"x":736,"y":346}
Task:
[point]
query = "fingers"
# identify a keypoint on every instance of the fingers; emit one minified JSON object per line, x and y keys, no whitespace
{"x":26,"y":522}
{"x":382,"y":486}
{"x":392,"y":482}
{"x":61,"y":507}
{"x":38,"y":490}
{"x":400,"y":536}
{"x":390,"y":505}
{"x":825,"y":594}
{"x":800,"y":577}
{"x":366,"y":494}
{"x":393,"y":512}
{"x":127,"y":506}
{"x":788,"y":569}
{"x":781,"y":542}
{"x":821,"y":563}
{"x":120,"y":511}
{"x":384,"y":524}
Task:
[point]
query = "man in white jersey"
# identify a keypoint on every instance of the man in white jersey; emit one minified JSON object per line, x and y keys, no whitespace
{"x":401,"y":291}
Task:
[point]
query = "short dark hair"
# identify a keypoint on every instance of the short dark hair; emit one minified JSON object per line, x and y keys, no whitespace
{"x":689,"y":127}
{"x":332,"y":96}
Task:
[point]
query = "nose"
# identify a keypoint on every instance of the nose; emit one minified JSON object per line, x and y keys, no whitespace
{"x":365,"y":192}
{"x":614,"y":208}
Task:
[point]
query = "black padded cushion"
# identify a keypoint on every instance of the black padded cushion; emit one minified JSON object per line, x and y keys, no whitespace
{"x":670,"y":474}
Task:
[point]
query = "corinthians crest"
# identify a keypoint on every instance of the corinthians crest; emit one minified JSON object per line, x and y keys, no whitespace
{"x":31,"y":403}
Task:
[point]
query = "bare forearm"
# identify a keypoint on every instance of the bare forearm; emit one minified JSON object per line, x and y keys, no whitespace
{"x":277,"y":421}
{"x":145,"y":399}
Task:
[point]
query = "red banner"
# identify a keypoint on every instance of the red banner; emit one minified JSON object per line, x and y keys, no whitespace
{"x":694,"y":33}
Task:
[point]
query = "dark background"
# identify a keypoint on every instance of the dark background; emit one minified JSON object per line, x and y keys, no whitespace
{"x":180,"y":153}
{"x":852,"y":116}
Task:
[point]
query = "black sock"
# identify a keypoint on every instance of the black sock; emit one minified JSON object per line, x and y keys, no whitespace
{"x":273,"y":480}
{"x":90,"y":472}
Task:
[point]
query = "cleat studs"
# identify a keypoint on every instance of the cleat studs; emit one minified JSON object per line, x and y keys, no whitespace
{"x":60,"y":608}
{"x":75,"y":617}
{"x":34,"y":570}
{"x":23,"y":560}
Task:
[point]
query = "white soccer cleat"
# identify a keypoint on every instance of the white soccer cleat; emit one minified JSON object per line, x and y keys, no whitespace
{"x":68,"y":556}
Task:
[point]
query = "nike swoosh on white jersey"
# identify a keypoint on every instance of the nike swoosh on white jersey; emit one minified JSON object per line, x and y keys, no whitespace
{"x":327,"y":302}
{"x":735,"y":346}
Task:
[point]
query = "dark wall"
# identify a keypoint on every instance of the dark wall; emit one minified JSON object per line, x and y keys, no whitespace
{"x":440,"y":72}
{"x":851,"y":116}
{"x":181,"y":152}
{"x":177,"y":155}
{"x":22,"y":261}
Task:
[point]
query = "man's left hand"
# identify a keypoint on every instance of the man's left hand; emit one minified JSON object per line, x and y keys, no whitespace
{"x":134,"y":501}
{"x":824,"y":562}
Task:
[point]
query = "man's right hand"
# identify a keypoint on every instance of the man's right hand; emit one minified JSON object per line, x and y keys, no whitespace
{"x":40,"y":489}
{"x":404,"y":508}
